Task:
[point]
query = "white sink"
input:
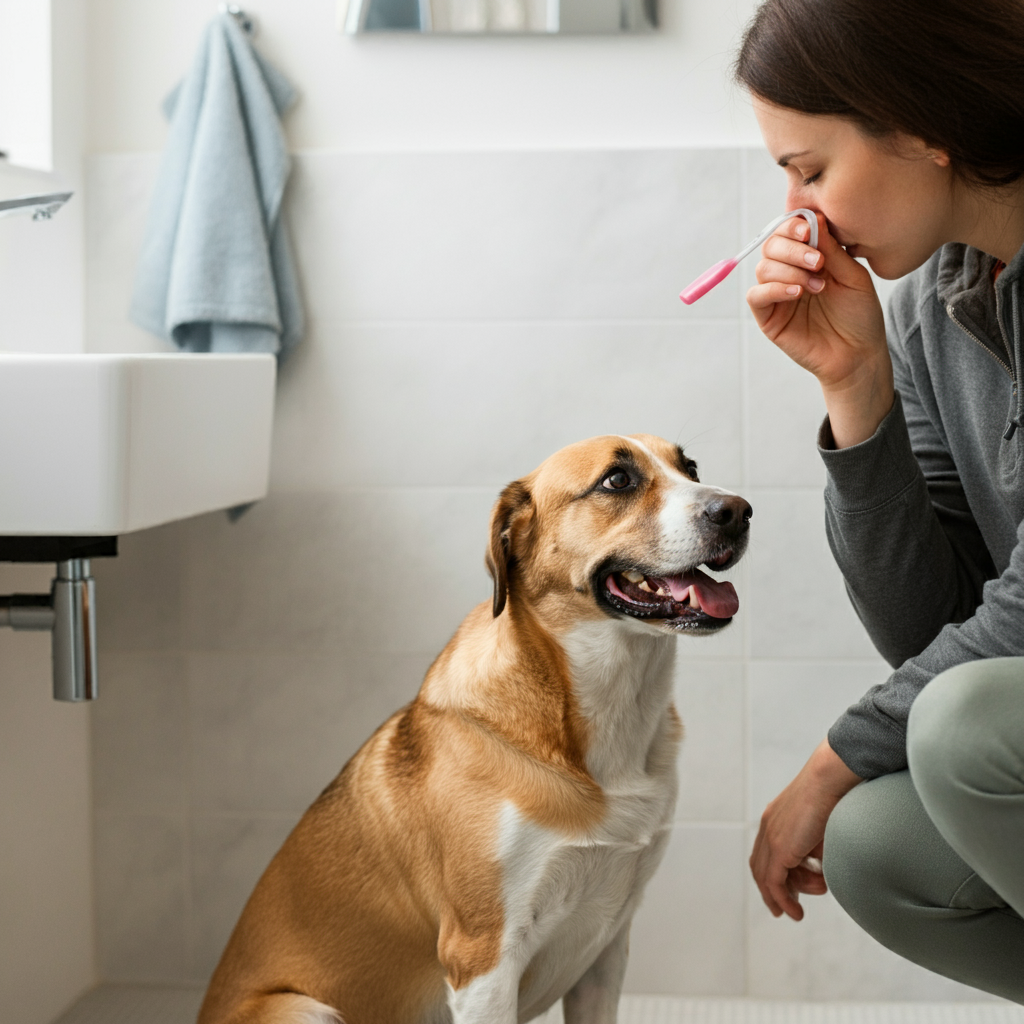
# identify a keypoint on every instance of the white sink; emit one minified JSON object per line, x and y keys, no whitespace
{"x":99,"y":445}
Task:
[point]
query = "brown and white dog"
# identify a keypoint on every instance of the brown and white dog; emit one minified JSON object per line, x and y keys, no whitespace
{"x":482,"y":855}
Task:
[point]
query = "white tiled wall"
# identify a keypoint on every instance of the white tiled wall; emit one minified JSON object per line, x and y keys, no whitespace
{"x":469,"y":314}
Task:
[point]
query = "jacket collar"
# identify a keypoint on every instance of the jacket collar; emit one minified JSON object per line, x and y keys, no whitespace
{"x":964,"y":281}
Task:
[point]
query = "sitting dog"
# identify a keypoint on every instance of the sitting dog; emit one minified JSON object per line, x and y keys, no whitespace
{"x":483,"y":853}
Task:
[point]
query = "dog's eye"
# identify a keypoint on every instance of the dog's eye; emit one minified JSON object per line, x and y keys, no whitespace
{"x":616,"y":481}
{"x":691,"y":470}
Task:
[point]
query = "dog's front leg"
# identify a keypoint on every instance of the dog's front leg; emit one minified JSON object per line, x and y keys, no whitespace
{"x":492,"y":998}
{"x":594,"y":999}
{"x":483,"y":979}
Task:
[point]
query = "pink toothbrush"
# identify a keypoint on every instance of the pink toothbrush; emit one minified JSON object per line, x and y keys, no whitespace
{"x":720,"y":271}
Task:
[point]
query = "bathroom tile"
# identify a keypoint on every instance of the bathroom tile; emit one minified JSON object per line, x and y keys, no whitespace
{"x":827,"y":957}
{"x":784,"y":410}
{"x":556,"y":234}
{"x":118,"y":187}
{"x":46,"y":862}
{"x":122,"y":335}
{"x":798,"y":606}
{"x":481,"y":404}
{"x":139,"y":736}
{"x":279,"y":578}
{"x":41,"y":269}
{"x":229,"y":854}
{"x":688,"y":936}
{"x":399,"y":236}
{"x":270,"y":731}
{"x":469,"y":314}
{"x":138,"y":593}
{"x":25,"y":578}
{"x":710,"y":699}
{"x":763,"y":188}
{"x":792,"y":706}
{"x":389,"y":570}
{"x":140,"y":898}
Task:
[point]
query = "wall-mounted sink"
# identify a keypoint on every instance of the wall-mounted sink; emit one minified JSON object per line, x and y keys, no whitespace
{"x":100,"y":445}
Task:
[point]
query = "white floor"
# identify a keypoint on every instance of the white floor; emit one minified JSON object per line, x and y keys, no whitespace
{"x":115,"y":1004}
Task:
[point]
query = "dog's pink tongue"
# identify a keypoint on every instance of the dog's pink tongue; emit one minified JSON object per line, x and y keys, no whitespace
{"x":718,"y":599}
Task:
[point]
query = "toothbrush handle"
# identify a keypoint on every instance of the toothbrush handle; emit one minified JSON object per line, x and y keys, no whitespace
{"x":707,"y":281}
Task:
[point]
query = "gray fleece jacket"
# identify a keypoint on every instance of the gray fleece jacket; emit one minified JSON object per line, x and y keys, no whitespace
{"x":926,"y":518}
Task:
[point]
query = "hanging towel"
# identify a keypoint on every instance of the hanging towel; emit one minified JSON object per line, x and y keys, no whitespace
{"x":216,"y":272}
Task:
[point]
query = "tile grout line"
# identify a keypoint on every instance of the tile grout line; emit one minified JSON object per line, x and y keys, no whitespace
{"x":866,"y":661}
{"x":93,"y":848}
{"x":506,"y":321}
{"x":190,"y":914}
{"x":164,"y":1004}
{"x":745,"y":468}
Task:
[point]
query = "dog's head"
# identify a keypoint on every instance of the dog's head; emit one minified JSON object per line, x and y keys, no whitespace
{"x":618,"y":527}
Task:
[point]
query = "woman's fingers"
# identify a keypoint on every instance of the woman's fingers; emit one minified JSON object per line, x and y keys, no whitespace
{"x":792,"y":253}
{"x":790,"y":245}
{"x":790,"y":838}
{"x":768,"y":270}
{"x":763,"y":298}
{"x":782,"y":893}
{"x":774,"y":880}
{"x":759,"y":868}
{"x":774,"y":305}
{"x":809,"y":880}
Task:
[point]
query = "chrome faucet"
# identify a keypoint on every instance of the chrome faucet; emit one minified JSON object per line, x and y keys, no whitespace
{"x":41,"y":207}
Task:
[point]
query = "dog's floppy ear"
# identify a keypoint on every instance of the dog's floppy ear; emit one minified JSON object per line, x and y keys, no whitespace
{"x":513,"y":501}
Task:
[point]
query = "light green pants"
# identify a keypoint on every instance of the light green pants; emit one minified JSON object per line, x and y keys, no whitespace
{"x":931,"y":862}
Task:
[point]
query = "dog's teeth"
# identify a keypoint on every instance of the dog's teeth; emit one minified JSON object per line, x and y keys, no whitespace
{"x":662,"y":592}
{"x":694,"y":601}
{"x":644,"y":586}
{"x":633,"y":576}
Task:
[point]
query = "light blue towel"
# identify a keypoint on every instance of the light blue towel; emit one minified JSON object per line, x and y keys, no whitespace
{"x":216,"y":272}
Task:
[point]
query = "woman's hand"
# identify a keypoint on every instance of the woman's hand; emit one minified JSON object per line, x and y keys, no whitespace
{"x":820,"y":307}
{"x":793,"y":829}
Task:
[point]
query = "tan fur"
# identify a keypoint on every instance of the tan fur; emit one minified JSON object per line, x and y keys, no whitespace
{"x":389,"y":889}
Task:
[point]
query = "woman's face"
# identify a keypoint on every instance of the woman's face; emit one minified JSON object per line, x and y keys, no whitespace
{"x":889,"y":201}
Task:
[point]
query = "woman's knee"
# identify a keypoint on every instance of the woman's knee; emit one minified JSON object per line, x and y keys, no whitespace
{"x":863,"y":863}
{"x":964,"y":728}
{"x":885,"y":862}
{"x":847,"y":861}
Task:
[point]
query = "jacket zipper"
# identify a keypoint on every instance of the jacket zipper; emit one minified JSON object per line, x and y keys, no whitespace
{"x":1015,"y":420}
{"x":1013,"y":424}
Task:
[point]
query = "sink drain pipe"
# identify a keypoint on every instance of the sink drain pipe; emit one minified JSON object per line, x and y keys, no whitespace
{"x":69,"y":613}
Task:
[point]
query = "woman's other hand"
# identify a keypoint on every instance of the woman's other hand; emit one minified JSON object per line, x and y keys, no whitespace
{"x":793,"y":829}
{"x":819,"y":306}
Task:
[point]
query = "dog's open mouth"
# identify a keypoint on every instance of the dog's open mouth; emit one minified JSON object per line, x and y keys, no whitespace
{"x":689,"y":600}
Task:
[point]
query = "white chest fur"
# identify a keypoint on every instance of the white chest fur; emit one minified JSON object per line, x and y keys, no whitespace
{"x":568,"y":896}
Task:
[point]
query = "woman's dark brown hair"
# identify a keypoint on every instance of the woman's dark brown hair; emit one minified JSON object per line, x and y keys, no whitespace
{"x":950,"y":72}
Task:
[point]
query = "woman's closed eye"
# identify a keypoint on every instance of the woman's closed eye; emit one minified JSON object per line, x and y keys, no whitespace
{"x":812,"y":179}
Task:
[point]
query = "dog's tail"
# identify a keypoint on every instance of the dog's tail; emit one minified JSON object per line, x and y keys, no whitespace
{"x":284,"y":1008}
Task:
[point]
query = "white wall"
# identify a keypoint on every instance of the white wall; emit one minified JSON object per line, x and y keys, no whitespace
{"x":469,"y":314}
{"x":42,"y":262}
{"x":491,"y":235}
{"x":400,"y":92}
{"x":47,"y":941}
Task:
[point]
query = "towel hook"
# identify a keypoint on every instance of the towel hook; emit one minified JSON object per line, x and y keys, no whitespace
{"x":246,"y":21}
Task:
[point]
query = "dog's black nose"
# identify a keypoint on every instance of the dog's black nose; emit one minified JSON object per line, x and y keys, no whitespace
{"x":730,"y":512}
